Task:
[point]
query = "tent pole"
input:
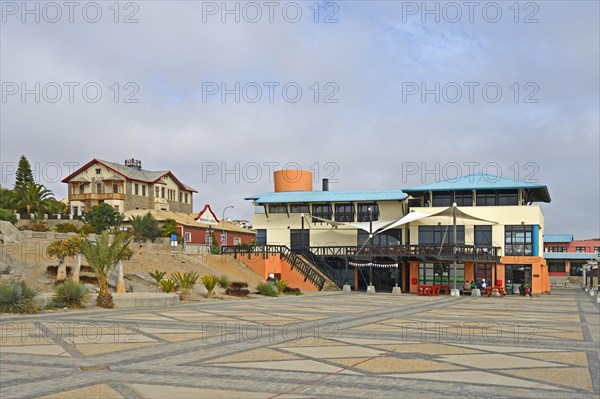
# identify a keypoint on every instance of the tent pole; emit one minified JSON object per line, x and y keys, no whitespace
{"x":454,"y":246}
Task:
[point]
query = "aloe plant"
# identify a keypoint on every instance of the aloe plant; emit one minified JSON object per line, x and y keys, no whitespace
{"x":167,"y":285}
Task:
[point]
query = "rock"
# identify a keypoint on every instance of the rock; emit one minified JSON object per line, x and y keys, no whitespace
{"x":91,"y":288}
{"x":114,"y":277}
{"x":200,"y":289}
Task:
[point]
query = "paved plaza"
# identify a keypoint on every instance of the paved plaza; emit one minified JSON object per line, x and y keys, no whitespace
{"x":334,"y":345}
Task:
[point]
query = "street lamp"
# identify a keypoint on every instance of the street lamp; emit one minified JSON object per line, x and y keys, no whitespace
{"x":223,"y":238}
{"x":371,"y":238}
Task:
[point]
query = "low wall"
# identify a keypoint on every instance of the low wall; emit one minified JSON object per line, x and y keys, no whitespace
{"x":278,"y":266}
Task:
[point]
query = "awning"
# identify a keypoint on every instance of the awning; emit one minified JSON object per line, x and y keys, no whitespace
{"x":376,"y":224}
{"x":413,"y":216}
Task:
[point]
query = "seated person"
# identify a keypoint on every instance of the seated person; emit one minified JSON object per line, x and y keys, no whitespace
{"x":466,"y":286}
{"x":483,"y":284}
{"x":472,"y":284}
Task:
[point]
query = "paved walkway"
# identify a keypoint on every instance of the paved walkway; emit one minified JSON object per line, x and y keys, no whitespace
{"x":334,"y":345}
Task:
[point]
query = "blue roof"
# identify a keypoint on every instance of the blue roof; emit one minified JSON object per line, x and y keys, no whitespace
{"x":558,"y":237}
{"x":571,"y":255}
{"x":482,"y":181}
{"x":328,"y":196}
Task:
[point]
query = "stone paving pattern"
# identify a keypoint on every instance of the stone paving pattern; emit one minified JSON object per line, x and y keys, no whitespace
{"x":334,"y":345}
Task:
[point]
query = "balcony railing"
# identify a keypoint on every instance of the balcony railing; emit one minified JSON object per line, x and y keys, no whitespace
{"x":425,"y":252}
{"x":97,"y":196}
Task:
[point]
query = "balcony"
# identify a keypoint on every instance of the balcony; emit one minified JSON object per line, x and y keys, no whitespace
{"x":96,"y":196}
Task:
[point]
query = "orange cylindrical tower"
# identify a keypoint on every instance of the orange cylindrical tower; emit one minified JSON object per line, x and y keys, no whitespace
{"x":293,"y":180}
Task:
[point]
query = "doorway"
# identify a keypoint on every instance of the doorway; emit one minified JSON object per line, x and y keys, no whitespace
{"x":299,"y":238}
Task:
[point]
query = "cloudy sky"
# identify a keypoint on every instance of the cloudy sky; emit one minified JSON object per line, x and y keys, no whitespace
{"x":372,"y":95}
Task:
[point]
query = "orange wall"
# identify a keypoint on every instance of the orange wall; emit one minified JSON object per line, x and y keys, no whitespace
{"x":293,"y":180}
{"x":274,"y":264}
{"x":540,"y":280}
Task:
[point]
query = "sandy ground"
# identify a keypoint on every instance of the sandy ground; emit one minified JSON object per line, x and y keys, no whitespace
{"x":30,"y":258}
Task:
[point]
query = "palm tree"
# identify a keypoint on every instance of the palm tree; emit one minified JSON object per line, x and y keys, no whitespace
{"x":103,"y":256}
{"x":33,"y":197}
{"x":62,"y":249}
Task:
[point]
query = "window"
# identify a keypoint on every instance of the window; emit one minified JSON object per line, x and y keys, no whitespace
{"x":580,"y":249}
{"x":344,"y":212}
{"x":81,"y":189}
{"x":136,"y":189}
{"x":463,"y":198}
{"x":162,"y":191}
{"x":483,"y":236}
{"x":98,"y":171}
{"x":442,"y":198}
{"x":363,"y":212}
{"x":115,"y":188}
{"x":261,"y":237}
{"x":388,"y":238}
{"x":237,"y":240}
{"x":483,"y":271}
{"x":156,"y":192}
{"x":299,"y":209}
{"x":485,"y":198}
{"x":322,"y":211}
{"x":556,"y":249}
{"x":440,"y":273}
{"x":517,"y":240}
{"x":556,"y":267}
{"x":186,"y":198}
{"x":144,"y":191}
{"x":277,"y":208}
{"x":436,"y":235}
{"x":596,"y":249}
{"x":188,"y":236}
{"x":508,"y":197}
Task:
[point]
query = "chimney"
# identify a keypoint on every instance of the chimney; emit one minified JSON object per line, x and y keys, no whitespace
{"x":133,"y":163}
{"x":325,"y":184}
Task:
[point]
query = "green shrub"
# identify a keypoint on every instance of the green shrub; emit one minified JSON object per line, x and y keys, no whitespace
{"x":292,"y":291}
{"x":239,"y":284}
{"x":66,"y":228}
{"x":8,"y":215}
{"x":145,"y":227}
{"x":70,"y":294}
{"x":17,"y":297}
{"x":224,"y":282}
{"x":87,"y":229}
{"x":281,"y":285}
{"x":167,"y":285}
{"x":186,"y":280}
{"x":267,"y":289}
{"x":241,"y":292}
{"x":210,"y":282}
{"x":157,"y":276}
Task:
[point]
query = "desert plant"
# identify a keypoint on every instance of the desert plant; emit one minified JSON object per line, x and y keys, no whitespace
{"x":39,"y":227}
{"x":267,"y":289}
{"x":292,"y":291}
{"x":210,"y":282}
{"x":87,"y":229}
{"x":186,"y":280}
{"x":17,"y":297}
{"x":157,"y":275}
{"x":239,"y":284}
{"x":66,"y":227}
{"x":70,"y":294}
{"x":103,"y":256}
{"x":281,"y":286}
{"x":8,"y":215}
{"x":145,"y":227}
{"x":241,"y":292}
{"x":224,"y":282}
{"x":167,"y":285}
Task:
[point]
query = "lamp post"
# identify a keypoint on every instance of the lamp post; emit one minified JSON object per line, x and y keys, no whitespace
{"x":301,"y":232}
{"x":223,"y":238}
{"x":455,"y":291}
{"x":371,"y":288}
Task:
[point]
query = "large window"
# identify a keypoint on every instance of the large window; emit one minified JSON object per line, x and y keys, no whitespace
{"x":484,"y":271}
{"x":483,"y":236}
{"x":463,"y":198}
{"x":579,"y":249}
{"x":493,"y":198}
{"x":556,"y":249}
{"x":322,"y":211}
{"x":517,"y":240}
{"x":388,"y":238}
{"x":344,"y":212}
{"x":261,"y":237}
{"x":440,"y":273}
{"x":301,"y":208}
{"x":277,"y":208}
{"x":556,"y":267}
{"x":363,"y":212}
{"x":435,"y":235}
{"x":442,"y":198}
